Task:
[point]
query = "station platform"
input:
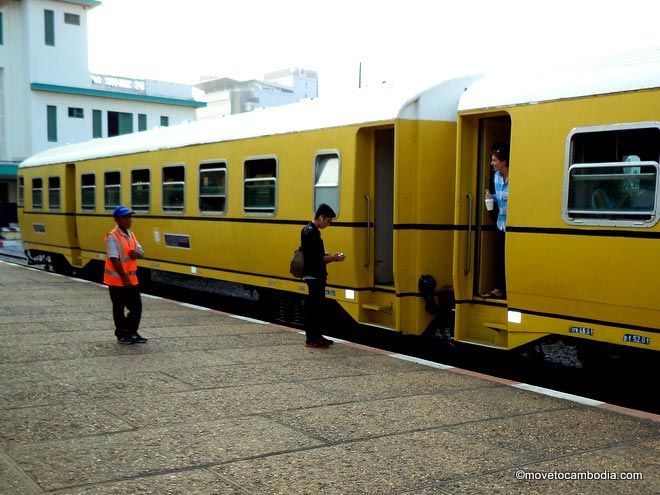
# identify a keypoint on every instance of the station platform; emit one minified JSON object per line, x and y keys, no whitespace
{"x":215,"y":403}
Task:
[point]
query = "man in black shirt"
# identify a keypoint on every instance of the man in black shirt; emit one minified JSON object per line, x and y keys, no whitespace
{"x":316,"y":274}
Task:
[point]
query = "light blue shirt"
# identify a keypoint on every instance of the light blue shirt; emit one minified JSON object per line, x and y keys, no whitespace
{"x":113,"y":249}
{"x":502,"y":200}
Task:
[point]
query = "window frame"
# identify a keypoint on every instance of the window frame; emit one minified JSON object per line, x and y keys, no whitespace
{"x":224,"y":168}
{"x":84,"y":207}
{"x":245,"y":181}
{"x":71,"y":19}
{"x":59,"y":193}
{"x":51,"y":123}
{"x":49,"y":27}
{"x":568,"y":167}
{"x":40,"y":189}
{"x":314,"y":180}
{"x":21,"y":191}
{"x":171,"y":210}
{"x":107,"y":207}
{"x":76,"y":112}
{"x":139,"y":208}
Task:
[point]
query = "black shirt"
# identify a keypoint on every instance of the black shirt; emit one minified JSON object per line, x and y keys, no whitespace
{"x":313,"y":251}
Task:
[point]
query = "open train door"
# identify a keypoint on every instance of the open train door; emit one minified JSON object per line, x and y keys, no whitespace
{"x":479,"y":320}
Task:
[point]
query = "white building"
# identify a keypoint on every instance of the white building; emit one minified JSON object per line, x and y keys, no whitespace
{"x":48,"y":96}
{"x":226,"y":96}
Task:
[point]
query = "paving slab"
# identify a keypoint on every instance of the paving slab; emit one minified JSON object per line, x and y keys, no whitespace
{"x":215,"y":404}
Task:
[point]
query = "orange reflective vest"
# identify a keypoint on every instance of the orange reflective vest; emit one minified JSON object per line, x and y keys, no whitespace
{"x":110,"y":276}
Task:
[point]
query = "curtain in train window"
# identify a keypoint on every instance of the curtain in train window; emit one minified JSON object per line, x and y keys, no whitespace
{"x":174,"y":186}
{"x":326,"y":181}
{"x":140,"y":189}
{"x":260,"y":185}
{"x":88,"y":192}
{"x":53,"y":193}
{"x":37,"y":194}
{"x":613,"y":177}
{"x":112,"y":190}
{"x":212,"y":187}
{"x":21,"y":190}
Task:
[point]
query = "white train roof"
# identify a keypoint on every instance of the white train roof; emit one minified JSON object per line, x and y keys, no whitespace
{"x":508,"y":88}
{"x":368,"y":105}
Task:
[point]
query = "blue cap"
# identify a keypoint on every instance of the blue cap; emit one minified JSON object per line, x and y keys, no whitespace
{"x":122,"y":211}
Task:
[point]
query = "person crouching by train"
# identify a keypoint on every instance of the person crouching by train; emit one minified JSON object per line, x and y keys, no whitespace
{"x":499,"y":161}
{"x":120,"y":275}
{"x":316,"y":275}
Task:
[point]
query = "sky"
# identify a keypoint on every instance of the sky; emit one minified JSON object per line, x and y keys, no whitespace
{"x":403,"y":42}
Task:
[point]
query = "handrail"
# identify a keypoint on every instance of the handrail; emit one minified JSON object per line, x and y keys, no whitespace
{"x":367,"y":261}
{"x":468,"y":266}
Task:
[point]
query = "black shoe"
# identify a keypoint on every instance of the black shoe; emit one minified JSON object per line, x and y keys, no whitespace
{"x":316,"y":345}
{"x":325,"y":341}
{"x":126,"y":341}
{"x":139,"y":339}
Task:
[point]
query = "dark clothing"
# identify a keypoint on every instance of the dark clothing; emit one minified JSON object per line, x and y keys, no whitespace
{"x":313,"y":251}
{"x":129,"y":298}
{"x":314,"y":309}
{"x":500,"y":280}
{"x":316,"y":275}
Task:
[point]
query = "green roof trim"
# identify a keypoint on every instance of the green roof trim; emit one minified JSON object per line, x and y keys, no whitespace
{"x":91,"y":3}
{"x":9,"y":169}
{"x":116,"y":94}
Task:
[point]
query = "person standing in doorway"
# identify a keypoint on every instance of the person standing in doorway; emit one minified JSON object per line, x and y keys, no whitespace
{"x":316,"y":275}
{"x":499,"y":161}
{"x":120,"y":275}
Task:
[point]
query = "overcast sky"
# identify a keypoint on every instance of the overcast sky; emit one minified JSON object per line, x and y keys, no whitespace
{"x":397,"y":41}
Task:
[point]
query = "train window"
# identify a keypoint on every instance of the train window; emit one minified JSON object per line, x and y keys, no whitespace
{"x":212,"y":187}
{"x":326,"y":180}
{"x":112,"y":190}
{"x":21,"y":189}
{"x":174,"y":184}
{"x":37,"y":194}
{"x":88,"y":192}
{"x":612,"y":176}
{"x":53,"y":193}
{"x":260,"y":185}
{"x":140,"y":189}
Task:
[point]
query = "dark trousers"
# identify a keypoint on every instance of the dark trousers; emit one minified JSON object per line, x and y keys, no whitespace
{"x":126,"y":298}
{"x":500,"y":280}
{"x":314,"y":308}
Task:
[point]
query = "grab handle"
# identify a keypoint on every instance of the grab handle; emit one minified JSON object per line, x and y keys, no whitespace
{"x":468,"y":267}
{"x":368,"y":258}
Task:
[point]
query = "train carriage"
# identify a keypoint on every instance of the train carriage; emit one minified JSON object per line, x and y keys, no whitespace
{"x":582,"y":233}
{"x":226,"y":199}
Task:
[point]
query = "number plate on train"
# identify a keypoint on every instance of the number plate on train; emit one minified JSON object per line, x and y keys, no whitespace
{"x":636,"y":339}
{"x":581,"y":330}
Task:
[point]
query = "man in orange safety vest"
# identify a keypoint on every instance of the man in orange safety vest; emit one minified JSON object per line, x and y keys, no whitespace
{"x":120,"y":275}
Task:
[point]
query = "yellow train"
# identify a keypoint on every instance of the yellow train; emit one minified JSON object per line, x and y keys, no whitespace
{"x":226,"y":199}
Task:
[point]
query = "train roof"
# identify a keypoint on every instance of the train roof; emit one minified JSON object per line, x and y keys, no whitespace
{"x":370,"y":105}
{"x":509,"y":88}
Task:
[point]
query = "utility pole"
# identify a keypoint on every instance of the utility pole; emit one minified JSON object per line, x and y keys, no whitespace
{"x":360,"y":76}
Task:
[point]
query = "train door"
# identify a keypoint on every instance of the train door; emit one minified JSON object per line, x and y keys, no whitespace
{"x":383,"y":206}
{"x":479,"y":320}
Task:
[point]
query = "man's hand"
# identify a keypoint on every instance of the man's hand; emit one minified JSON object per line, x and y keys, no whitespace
{"x":134,"y":255}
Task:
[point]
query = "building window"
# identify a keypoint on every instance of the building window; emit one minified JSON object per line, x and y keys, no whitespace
{"x":140,"y":187}
{"x":49,"y":27}
{"x":37,"y":194}
{"x":2,"y":41}
{"x":73,"y":19}
{"x":119,"y":123}
{"x":260,"y":185}
{"x":97,"y":123}
{"x":612,"y":176}
{"x":51,"y":120}
{"x":164,"y":121}
{"x":326,"y":180}
{"x":112,"y":190}
{"x":174,"y":184}
{"x":76,"y":113}
{"x":53,"y":193}
{"x":21,"y":191}
{"x":142,"y":122}
{"x":213,"y":187}
{"x":88,"y":192}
